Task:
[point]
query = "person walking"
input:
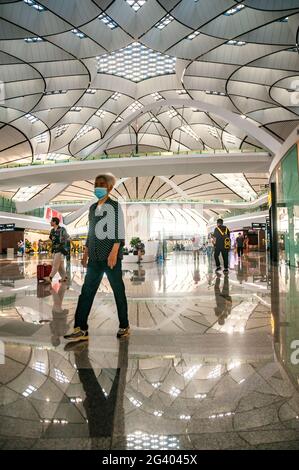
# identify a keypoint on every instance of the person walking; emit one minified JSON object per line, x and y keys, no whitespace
{"x":221,"y":237}
{"x":102,"y":255}
{"x":210,"y":246}
{"x":195,"y":247}
{"x":240,"y":244}
{"x":58,"y":237}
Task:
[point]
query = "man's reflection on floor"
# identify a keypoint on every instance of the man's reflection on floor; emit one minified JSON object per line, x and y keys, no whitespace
{"x":223,"y":300}
{"x":58,"y":325}
{"x":104,"y":411}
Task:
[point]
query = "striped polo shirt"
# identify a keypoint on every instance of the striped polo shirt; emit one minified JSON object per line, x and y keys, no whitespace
{"x":106,"y":227}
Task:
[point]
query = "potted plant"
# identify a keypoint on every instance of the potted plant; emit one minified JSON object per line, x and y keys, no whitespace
{"x":134,"y":242}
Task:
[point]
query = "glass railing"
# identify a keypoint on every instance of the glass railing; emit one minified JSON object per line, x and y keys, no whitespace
{"x":173,"y":201}
{"x":131,"y":155}
{"x":8,"y":205}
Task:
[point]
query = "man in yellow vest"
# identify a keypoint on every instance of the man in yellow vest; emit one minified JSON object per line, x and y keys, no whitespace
{"x":221,"y":237}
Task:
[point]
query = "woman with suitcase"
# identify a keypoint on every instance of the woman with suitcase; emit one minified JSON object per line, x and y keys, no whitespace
{"x":58,"y":237}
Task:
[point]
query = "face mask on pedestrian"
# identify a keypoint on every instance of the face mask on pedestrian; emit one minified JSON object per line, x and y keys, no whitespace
{"x":100,"y":193}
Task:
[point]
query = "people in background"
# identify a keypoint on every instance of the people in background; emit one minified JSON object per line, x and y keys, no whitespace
{"x":58,"y":237}
{"x":21,"y":248}
{"x":204,"y":249}
{"x":240,"y":244}
{"x":210,"y":246}
{"x":221,"y":237}
{"x":102,"y":255}
{"x":195,"y":247}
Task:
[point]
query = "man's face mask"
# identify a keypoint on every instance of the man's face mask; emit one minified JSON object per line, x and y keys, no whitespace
{"x":100,"y":193}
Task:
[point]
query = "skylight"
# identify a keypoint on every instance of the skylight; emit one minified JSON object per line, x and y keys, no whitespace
{"x":100,"y":113}
{"x":27,"y":192}
{"x":234,"y":42}
{"x":239,"y":184}
{"x":78,"y":33}
{"x":56,"y":92}
{"x":33,"y":39}
{"x":84,"y":130}
{"x":136,"y":4}
{"x":41,"y":138}
{"x":193,"y":35}
{"x":61,"y":129}
{"x":91,"y":91}
{"x":189,"y":131}
{"x":31,"y":118}
{"x":165,"y":21}
{"x":108,"y":21}
{"x":135,"y":106}
{"x":220,"y":93}
{"x":172,"y":113}
{"x":234,"y":10}
{"x":115,"y":96}
{"x":76,"y":108}
{"x":212,"y":131}
{"x":136,"y":62}
{"x":157,"y":96}
{"x":35,"y":5}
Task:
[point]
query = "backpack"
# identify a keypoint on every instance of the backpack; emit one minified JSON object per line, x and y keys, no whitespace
{"x":227,"y":244}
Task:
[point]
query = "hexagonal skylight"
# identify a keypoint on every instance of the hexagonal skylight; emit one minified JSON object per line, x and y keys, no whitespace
{"x":136,"y":62}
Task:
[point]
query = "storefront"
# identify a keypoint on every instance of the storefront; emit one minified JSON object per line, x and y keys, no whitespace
{"x":285,"y":208}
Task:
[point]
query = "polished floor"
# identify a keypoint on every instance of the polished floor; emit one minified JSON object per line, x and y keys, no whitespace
{"x":211,"y":362}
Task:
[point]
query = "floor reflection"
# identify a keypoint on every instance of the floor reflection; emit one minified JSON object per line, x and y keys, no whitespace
{"x":199,"y":370}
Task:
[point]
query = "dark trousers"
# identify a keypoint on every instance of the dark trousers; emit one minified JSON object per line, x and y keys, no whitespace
{"x":224,"y":256}
{"x":93,"y":278}
{"x":240,"y":251}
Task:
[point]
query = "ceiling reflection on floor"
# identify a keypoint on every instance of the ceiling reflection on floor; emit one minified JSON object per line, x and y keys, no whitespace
{"x":198,"y":372}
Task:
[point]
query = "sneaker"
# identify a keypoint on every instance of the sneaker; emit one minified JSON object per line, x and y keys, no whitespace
{"x":77,"y":335}
{"x":123,"y":332}
{"x":225,"y":270}
{"x":63,"y":280}
{"x":218,"y":269}
{"x":47,"y":279}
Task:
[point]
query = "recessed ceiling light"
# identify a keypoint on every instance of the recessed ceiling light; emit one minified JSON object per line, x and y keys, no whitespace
{"x":165,"y":21}
{"x":107,"y":21}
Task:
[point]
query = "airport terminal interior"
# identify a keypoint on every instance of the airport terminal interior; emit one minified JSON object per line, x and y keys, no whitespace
{"x":193,"y":106}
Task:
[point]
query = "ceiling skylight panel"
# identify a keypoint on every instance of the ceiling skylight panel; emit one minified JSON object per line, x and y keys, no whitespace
{"x":136,"y":62}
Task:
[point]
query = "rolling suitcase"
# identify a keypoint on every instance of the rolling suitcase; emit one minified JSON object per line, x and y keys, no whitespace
{"x":43,"y":270}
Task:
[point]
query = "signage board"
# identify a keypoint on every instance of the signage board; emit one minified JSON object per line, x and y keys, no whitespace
{"x":7,"y":227}
{"x":258,"y":225}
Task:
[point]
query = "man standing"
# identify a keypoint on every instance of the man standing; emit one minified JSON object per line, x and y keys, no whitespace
{"x":221,"y":237}
{"x":103,"y":254}
{"x":240,"y":244}
{"x":58,"y":237}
